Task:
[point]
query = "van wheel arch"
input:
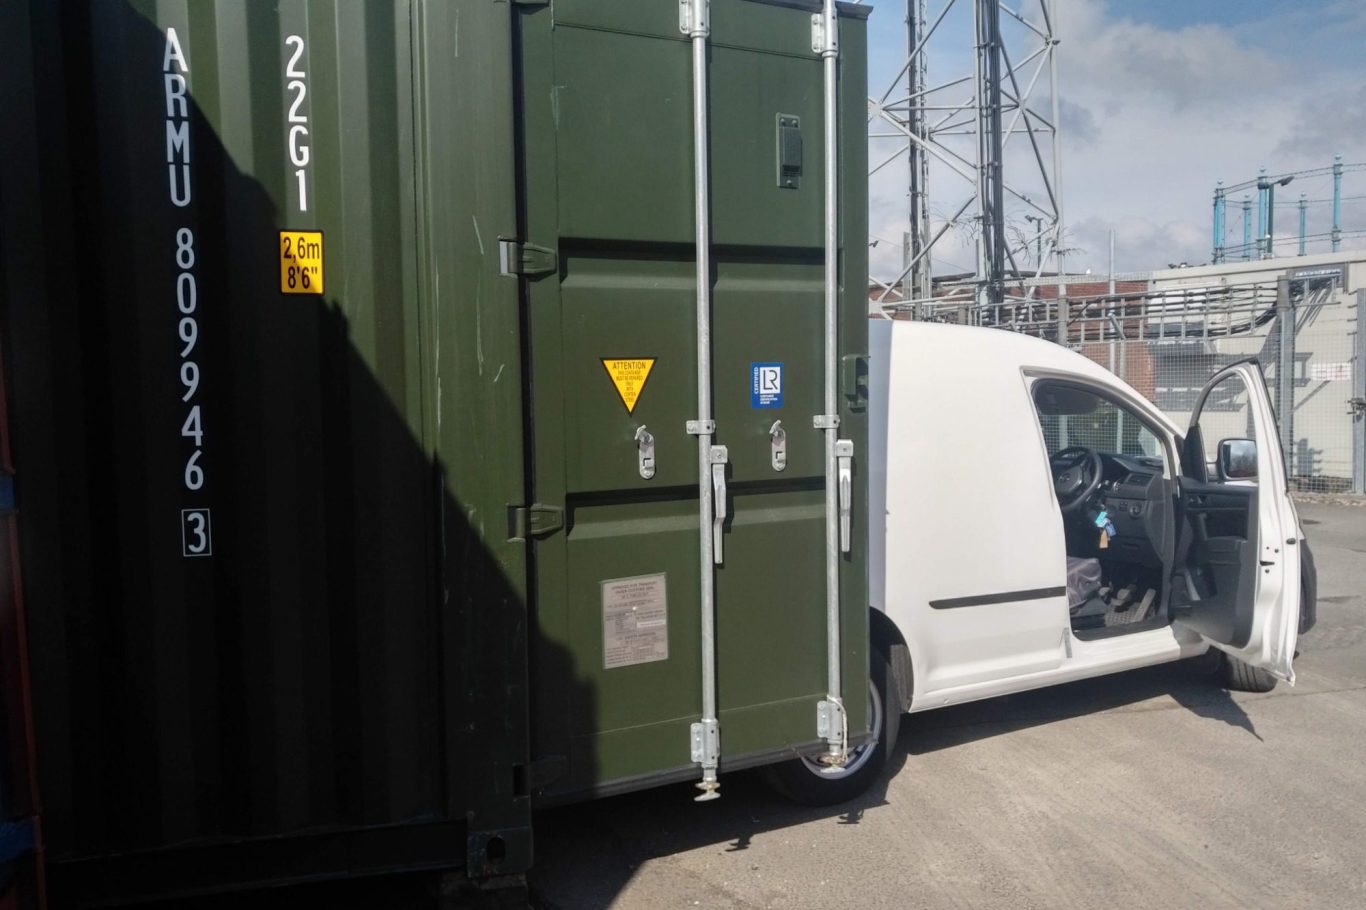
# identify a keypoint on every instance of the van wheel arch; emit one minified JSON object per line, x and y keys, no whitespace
{"x":889,"y":641}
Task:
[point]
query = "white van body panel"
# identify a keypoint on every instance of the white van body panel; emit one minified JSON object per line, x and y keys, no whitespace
{"x":964,"y":511}
{"x":968,"y":556}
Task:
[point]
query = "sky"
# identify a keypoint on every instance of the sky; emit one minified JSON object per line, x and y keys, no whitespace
{"x":1159,"y":98}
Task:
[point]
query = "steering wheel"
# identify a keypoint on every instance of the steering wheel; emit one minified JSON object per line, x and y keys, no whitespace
{"x":1071,"y":482}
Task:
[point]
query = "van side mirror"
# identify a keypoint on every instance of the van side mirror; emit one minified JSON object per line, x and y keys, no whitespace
{"x":1237,"y":459}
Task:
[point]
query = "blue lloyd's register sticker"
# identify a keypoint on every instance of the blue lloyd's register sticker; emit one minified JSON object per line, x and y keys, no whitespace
{"x":766,"y":385}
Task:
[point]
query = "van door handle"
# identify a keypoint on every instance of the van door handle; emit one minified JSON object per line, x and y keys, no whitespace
{"x":720,"y":456}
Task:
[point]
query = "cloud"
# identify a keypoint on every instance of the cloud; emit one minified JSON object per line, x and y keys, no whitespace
{"x":1152,"y":116}
{"x":1153,"y":243}
{"x":1335,"y":122}
{"x":1184,"y":67}
{"x":1078,"y":123}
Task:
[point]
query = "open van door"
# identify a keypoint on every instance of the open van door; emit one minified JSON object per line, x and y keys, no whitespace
{"x":1237,"y":578}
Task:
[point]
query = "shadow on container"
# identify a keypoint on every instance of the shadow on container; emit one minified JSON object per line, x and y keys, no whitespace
{"x":335,"y":682}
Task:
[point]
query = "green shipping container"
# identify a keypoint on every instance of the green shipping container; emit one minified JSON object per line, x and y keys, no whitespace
{"x":350,"y":351}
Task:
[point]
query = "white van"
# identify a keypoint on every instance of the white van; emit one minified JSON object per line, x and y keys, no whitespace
{"x":1035,"y":520}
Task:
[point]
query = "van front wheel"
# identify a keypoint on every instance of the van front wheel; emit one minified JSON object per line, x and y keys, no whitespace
{"x":807,"y":781}
{"x":1241,"y":676}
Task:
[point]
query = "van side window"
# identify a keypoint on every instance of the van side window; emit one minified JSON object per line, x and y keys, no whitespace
{"x":1071,"y":416}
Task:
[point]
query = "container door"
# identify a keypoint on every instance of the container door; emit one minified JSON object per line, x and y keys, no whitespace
{"x":607,"y":257}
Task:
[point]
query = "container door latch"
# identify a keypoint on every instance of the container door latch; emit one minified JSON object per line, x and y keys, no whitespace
{"x":526,"y":259}
{"x":645,"y":451}
{"x":778,"y":438}
{"x":535,"y":520}
{"x":844,"y":458}
{"x":720,"y":457}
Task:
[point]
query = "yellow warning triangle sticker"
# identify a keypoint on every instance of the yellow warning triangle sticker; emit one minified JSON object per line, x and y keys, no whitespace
{"x":628,"y":374}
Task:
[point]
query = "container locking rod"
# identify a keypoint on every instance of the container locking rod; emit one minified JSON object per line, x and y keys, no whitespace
{"x":693,"y":21}
{"x":825,"y":41}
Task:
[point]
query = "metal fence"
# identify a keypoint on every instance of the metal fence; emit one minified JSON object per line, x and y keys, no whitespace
{"x":1308,"y":334}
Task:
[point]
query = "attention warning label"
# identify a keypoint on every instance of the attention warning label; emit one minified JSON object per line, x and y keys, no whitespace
{"x":628,"y":374}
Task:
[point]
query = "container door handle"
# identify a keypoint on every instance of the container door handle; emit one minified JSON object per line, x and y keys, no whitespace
{"x":720,"y":456}
{"x":844,"y":456}
{"x":645,"y":452}
{"x":778,"y":445}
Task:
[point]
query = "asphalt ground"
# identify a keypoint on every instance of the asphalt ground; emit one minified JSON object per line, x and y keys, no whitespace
{"x":1153,"y":788}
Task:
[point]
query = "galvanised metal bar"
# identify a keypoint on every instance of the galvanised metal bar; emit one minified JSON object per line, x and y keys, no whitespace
{"x":992,"y":238}
{"x":1262,"y":246}
{"x":833,"y":708}
{"x":1218,"y":228}
{"x":707,"y":733}
{"x":1302,"y":208}
{"x":1050,"y":11}
{"x":1337,"y":202}
{"x":1359,"y":398}
{"x":1285,"y":372}
{"x":917,"y":283}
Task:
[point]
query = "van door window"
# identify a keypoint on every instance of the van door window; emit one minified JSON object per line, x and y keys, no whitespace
{"x":1228,"y":436}
{"x":1107,"y":427}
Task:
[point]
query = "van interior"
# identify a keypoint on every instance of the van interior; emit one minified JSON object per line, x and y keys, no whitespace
{"x":1117,"y":508}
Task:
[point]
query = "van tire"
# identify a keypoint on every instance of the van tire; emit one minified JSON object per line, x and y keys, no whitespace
{"x":1243,"y":677}
{"x":801,"y":780}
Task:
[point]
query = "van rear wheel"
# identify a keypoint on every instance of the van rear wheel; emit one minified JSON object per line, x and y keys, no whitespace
{"x":807,"y":781}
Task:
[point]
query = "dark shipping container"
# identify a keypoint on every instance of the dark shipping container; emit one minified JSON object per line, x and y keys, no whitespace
{"x":328,"y":332}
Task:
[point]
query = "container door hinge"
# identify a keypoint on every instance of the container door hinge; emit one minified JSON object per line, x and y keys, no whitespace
{"x":535,"y":520}
{"x":526,"y":259}
{"x":844,"y":463}
{"x":541,"y":773}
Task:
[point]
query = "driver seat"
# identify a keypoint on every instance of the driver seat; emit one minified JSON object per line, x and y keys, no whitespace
{"x":1083,"y":581}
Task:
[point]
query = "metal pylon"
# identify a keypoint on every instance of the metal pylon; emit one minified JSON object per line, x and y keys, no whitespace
{"x":983,"y":137}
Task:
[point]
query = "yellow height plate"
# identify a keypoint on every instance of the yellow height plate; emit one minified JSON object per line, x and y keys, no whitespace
{"x":301,"y":262}
{"x":628,"y":375}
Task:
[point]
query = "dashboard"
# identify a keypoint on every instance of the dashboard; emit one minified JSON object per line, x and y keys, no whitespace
{"x":1134,"y":494}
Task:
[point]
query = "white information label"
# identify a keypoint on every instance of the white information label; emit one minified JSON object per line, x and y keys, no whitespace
{"x":1330,"y":372}
{"x":635,"y":621}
